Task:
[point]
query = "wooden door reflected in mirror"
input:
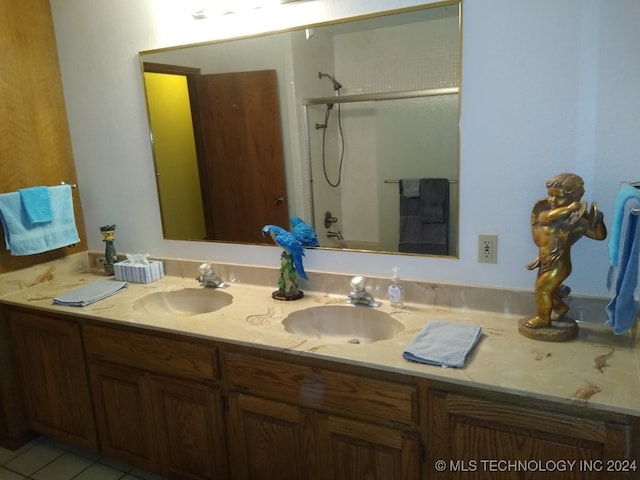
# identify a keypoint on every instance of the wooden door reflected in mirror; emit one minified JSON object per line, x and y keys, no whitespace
{"x":222,"y":130}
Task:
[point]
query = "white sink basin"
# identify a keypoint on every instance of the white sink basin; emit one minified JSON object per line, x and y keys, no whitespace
{"x":190,"y":301}
{"x":343,"y":324}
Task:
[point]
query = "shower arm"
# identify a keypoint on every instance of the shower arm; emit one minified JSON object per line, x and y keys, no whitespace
{"x":336,"y":85}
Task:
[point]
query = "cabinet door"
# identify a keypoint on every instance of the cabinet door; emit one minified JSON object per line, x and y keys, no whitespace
{"x":123,"y":414}
{"x":54,"y":378}
{"x":352,"y":449}
{"x":190,"y":429}
{"x":473,"y":435}
{"x":270,"y":440}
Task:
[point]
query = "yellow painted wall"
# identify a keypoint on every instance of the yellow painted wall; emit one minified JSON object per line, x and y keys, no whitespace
{"x":175,"y":156}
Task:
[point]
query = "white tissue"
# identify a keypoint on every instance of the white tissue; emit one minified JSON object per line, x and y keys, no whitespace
{"x":138,"y":258}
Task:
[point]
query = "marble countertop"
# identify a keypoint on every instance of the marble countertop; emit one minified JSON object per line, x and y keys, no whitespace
{"x":597,"y":370}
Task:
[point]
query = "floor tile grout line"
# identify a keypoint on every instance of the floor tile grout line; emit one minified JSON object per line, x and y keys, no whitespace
{"x":17,"y":473}
{"x":46,"y":464}
{"x":124,"y":469}
{"x":93,"y":462}
{"x":19,"y":451}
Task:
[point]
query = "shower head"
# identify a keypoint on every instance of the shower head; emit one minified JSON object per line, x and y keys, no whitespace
{"x":336,"y":85}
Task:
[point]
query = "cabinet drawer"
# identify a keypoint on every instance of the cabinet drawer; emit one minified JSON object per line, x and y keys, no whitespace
{"x":150,"y":352}
{"x":323,"y":389}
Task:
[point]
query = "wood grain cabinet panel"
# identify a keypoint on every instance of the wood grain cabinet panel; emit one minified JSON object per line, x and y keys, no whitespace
{"x":14,"y":428}
{"x":189,"y":422}
{"x":157,"y":402}
{"x":50,"y":358}
{"x":366,"y":396}
{"x":353,"y":449}
{"x":300,"y":421}
{"x":124,"y":416}
{"x":468,"y":433}
{"x":35,"y":145}
{"x":270,"y":440}
{"x":135,"y":348}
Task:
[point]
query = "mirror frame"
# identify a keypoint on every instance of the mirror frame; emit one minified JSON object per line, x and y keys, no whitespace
{"x":334,"y":23}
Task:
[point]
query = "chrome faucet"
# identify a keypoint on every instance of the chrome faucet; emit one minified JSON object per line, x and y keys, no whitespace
{"x":210,"y":279}
{"x":359,"y":295}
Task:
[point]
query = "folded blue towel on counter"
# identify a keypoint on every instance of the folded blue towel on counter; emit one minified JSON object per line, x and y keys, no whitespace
{"x":36,"y":202}
{"x":90,"y":293}
{"x":23,"y":238}
{"x":443,"y":343}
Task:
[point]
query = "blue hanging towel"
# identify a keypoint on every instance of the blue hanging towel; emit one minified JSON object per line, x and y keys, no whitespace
{"x":23,"y":238}
{"x":623,"y":275}
{"x":36,"y":202}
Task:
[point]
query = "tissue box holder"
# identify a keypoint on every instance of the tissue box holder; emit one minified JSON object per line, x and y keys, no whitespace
{"x":138,"y":273}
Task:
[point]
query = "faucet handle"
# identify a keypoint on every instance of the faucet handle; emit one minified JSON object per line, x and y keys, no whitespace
{"x":359,"y":295}
{"x":205,"y":268}
{"x":357,"y":283}
{"x":209,"y":278}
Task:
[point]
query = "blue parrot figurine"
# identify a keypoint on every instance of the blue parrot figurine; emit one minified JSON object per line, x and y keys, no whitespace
{"x":304,"y":233}
{"x":289,"y":244}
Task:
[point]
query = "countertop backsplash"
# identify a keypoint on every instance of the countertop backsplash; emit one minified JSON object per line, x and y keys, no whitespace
{"x":464,"y":297}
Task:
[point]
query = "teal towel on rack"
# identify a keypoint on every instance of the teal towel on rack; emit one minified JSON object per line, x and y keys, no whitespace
{"x":625,"y":193}
{"x":90,"y":293}
{"x":36,"y":202}
{"x":443,"y":343}
{"x":621,"y":310}
{"x":22,"y":238}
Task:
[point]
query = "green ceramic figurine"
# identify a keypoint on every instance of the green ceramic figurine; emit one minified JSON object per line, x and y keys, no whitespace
{"x":110,"y":256}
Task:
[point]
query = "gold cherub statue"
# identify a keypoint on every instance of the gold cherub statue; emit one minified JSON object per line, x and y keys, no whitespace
{"x":557,"y":222}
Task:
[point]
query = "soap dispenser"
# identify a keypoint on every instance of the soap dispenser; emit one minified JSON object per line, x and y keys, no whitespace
{"x":395,"y":291}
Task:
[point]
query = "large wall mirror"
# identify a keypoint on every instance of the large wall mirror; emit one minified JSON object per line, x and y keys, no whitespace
{"x":352,"y":126}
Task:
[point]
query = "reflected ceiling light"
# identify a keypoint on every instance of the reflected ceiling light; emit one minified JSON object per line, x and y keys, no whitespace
{"x":206,"y":8}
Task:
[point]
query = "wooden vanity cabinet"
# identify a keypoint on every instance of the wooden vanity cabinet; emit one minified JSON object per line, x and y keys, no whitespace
{"x":14,"y":428}
{"x":188,"y":408}
{"x":158,"y":402}
{"x":190,"y":427}
{"x":123,"y":413}
{"x":295,"y":420}
{"x":50,"y":358}
{"x":472,"y":434}
{"x":270,"y":439}
{"x":355,"y":449}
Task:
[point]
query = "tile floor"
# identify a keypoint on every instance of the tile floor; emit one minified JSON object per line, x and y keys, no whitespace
{"x":46,"y":459}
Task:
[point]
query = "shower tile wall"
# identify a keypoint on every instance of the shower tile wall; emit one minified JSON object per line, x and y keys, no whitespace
{"x":418,"y":56}
{"x":409,"y":57}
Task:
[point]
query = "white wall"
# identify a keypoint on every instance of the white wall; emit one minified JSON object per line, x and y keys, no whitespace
{"x":547,"y":86}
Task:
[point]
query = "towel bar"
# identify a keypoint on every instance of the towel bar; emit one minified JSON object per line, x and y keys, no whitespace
{"x":398,"y":181}
{"x":73,"y":185}
{"x":635,"y":211}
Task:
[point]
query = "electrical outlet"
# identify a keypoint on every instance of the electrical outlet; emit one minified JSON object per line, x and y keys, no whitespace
{"x":488,"y":248}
